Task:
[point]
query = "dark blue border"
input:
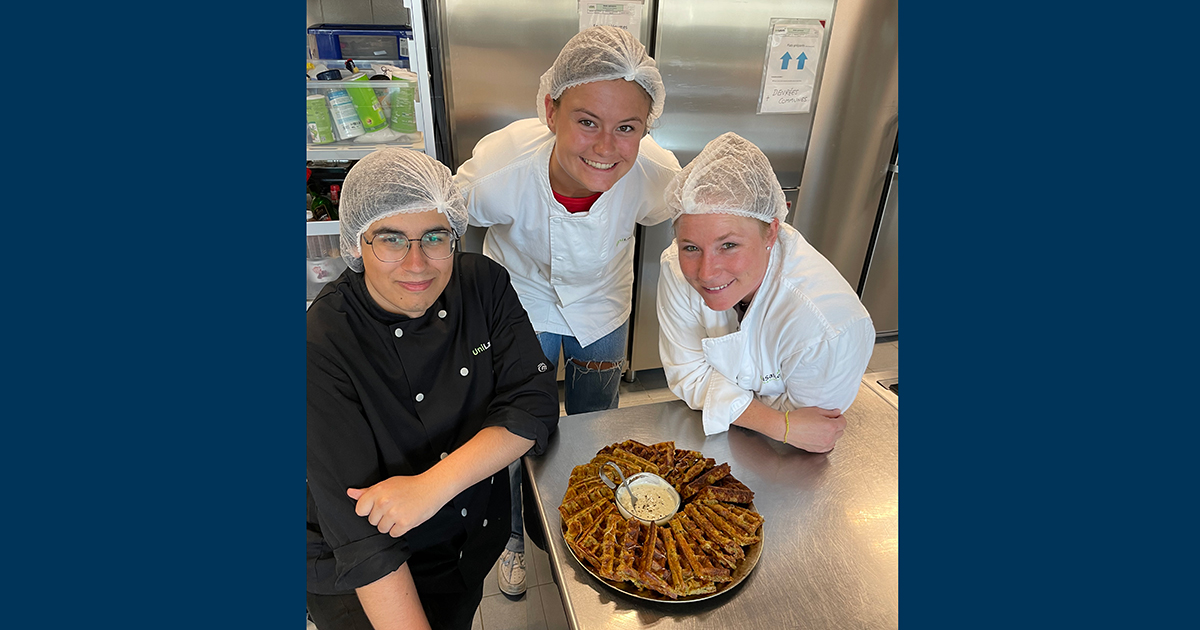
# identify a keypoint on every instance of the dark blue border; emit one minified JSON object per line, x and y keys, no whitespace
{"x":154,"y":356}
{"x":1046,"y":156}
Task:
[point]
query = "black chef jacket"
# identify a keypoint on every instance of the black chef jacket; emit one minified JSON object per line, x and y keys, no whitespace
{"x":391,"y":395}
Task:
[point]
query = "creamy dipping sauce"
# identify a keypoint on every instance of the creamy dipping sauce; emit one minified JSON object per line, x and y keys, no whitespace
{"x":653,"y":502}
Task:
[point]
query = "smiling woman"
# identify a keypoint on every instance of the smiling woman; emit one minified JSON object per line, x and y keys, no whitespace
{"x":562,"y":195}
{"x":598,"y":128}
{"x":724,"y":257}
{"x":754,"y":323}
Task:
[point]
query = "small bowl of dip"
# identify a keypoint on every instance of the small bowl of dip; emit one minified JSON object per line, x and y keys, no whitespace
{"x":656,"y":501}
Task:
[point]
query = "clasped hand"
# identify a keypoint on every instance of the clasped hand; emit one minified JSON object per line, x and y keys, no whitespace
{"x":814,"y":429}
{"x":397,"y":504}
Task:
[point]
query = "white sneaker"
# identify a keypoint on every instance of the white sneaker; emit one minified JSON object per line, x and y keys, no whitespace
{"x":512,"y":573}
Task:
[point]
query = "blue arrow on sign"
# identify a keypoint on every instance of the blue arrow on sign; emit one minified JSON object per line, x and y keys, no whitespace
{"x":786,"y":58}
{"x":801,"y":59}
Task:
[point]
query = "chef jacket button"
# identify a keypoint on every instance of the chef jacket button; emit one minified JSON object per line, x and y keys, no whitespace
{"x":420,"y":397}
{"x":444,"y":455}
{"x":399,"y":333}
{"x":485,"y":522}
{"x":464,"y":371}
{"x":464,"y":512}
{"x":493,"y":480}
{"x":442,"y":314}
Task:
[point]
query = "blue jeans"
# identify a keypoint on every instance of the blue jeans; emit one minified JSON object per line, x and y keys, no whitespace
{"x":516,"y":540}
{"x":587,"y":387}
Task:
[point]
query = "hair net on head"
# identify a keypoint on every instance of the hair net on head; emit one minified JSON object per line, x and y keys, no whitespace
{"x":730,"y":176}
{"x":602,"y":53}
{"x":394,"y":181}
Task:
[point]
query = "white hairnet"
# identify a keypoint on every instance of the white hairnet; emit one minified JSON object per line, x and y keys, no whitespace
{"x":602,"y":53}
{"x":730,"y":176}
{"x":394,"y":181}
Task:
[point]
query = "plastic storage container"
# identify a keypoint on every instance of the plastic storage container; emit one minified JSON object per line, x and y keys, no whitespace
{"x":359,"y":41}
{"x":397,"y":102}
{"x":324,"y":262}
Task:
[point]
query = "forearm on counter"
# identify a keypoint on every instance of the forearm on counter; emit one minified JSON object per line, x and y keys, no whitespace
{"x":763,"y":419}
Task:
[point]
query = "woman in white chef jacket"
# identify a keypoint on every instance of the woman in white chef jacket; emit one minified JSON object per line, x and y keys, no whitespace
{"x":561,"y":196}
{"x":755,"y":324}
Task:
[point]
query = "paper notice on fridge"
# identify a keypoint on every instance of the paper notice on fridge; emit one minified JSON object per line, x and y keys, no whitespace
{"x":790,"y":69}
{"x":623,"y":14}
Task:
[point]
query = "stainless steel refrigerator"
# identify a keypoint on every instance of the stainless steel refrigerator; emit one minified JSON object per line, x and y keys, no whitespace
{"x":831,"y":160}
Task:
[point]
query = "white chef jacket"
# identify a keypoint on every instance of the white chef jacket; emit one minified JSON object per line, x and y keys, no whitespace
{"x":573,"y":272}
{"x":804,"y":341}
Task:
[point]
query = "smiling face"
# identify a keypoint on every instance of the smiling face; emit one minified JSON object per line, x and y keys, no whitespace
{"x":410,"y":286}
{"x":598,"y":128}
{"x":724,"y":257}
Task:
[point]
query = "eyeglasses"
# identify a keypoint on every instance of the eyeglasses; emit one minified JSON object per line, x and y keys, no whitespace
{"x":392,"y":248}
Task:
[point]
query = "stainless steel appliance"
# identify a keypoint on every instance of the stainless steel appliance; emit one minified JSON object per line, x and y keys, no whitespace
{"x":853,"y":144}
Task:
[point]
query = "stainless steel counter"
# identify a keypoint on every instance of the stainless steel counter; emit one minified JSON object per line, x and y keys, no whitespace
{"x":830,"y":538}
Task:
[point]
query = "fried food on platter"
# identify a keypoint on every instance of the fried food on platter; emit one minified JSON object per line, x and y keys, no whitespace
{"x":695,"y":553}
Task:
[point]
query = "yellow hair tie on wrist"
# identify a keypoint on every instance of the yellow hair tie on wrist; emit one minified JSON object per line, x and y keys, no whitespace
{"x":787,"y":426}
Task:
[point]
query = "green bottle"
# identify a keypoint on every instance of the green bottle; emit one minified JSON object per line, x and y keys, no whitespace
{"x":322,"y":208}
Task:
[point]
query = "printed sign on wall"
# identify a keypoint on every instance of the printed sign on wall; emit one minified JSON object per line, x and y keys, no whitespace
{"x":623,"y":14}
{"x":790,"y":70}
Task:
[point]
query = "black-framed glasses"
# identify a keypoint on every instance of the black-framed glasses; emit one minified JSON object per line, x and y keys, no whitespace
{"x":392,"y":248}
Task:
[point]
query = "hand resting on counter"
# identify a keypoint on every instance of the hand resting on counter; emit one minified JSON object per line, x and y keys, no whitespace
{"x":812,"y":429}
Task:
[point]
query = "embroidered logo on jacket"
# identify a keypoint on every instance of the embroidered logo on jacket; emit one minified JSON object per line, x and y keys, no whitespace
{"x":485,"y":346}
{"x":772,"y":377}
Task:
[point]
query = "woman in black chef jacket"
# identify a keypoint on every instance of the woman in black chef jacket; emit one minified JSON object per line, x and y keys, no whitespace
{"x":425,"y":379}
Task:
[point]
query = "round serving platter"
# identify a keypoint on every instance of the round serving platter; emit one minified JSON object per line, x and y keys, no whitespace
{"x":744,"y":568}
